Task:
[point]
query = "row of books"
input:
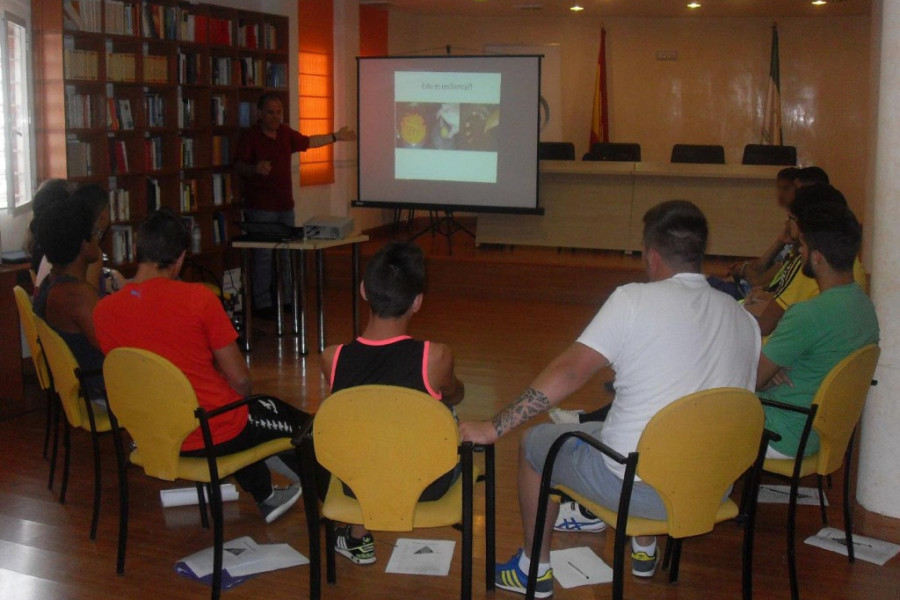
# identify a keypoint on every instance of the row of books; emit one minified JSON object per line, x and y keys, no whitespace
{"x":220,"y":70}
{"x":186,"y":113}
{"x":121,"y":18}
{"x":119,"y":205}
{"x":189,"y":196}
{"x":188,"y":68}
{"x":221,"y":189}
{"x":221,"y":150}
{"x":78,"y":158}
{"x":219,"y":110}
{"x":82,"y":15}
{"x":122,"y":244}
{"x":153,"y":153}
{"x":251,"y":71}
{"x":187,"y":153}
{"x":219,"y":228}
{"x":120,"y":66}
{"x":80,"y":64}
{"x":155,"y":108}
{"x":221,"y":31}
{"x":245,"y":114}
{"x":276,"y":74}
{"x":249,"y":37}
{"x":156,"y":69}
{"x":79,"y":111}
{"x":119,"y":115}
{"x":154,"y":195}
{"x":118,"y":157}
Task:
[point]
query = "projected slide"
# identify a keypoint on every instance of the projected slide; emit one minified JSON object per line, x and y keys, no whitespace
{"x":446,"y":126}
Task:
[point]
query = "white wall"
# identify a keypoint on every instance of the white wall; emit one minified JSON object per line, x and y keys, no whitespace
{"x":13,"y":227}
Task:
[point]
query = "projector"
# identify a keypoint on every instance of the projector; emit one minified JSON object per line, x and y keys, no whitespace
{"x":327,"y":228}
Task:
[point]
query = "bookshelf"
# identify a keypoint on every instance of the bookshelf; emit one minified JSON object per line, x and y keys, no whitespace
{"x":156,"y":96}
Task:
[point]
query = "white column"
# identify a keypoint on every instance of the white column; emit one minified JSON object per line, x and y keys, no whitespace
{"x":878,"y":487}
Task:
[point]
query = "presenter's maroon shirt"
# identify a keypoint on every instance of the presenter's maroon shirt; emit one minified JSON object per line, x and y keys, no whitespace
{"x":273,"y":191}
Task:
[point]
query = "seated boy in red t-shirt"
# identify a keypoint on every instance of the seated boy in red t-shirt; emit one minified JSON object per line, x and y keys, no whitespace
{"x":386,"y":355}
{"x":186,"y":324}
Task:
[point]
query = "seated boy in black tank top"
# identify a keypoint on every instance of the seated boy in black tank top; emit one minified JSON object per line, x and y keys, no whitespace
{"x":385,"y":354}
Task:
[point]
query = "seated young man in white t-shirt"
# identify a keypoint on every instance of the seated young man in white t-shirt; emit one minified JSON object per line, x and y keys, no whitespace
{"x":665,"y":339}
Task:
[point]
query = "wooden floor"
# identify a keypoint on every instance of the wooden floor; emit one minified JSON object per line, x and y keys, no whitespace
{"x":500,"y":343}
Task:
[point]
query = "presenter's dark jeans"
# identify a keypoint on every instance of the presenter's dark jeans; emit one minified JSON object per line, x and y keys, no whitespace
{"x":263,"y":260}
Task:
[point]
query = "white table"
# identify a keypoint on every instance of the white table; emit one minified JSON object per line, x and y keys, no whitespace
{"x":297,"y":252}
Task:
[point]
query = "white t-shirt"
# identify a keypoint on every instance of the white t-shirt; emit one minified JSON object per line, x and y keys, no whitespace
{"x":666,"y":340}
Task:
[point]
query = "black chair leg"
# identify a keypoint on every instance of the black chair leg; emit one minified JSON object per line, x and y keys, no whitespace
{"x":123,"y":501}
{"x":848,"y":508}
{"x":819,"y":483}
{"x":330,"y":567}
{"x":676,"y":560}
{"x":467,"y":511}
{"x":490,"y":519}
{"x":667,"y":557}
{"x":791,"y":542}
{"x":67,"y":459}
{"x":95,"y":516}
{"x":49,"y":424}
{"x":201,"y":502}
{"x":215,"y":502}
{"x":55,"y":453}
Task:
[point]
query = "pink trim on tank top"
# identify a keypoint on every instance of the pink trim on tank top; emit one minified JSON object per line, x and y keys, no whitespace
{"x":334,"y":364}
{"x":434,"y":394}
{"x":386,"y":342}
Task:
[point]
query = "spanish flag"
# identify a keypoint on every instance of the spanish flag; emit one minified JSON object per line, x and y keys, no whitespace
{"x":771,"y":130}
{"x":600,"y":120}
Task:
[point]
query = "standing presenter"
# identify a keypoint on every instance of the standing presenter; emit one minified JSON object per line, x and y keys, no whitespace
{"x":263,"y":160}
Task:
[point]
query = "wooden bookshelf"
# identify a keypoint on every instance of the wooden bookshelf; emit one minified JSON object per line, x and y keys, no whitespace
{"x":149,"y":100}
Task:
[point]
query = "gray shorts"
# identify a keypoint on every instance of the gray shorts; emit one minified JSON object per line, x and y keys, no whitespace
{"x":582,"y":468}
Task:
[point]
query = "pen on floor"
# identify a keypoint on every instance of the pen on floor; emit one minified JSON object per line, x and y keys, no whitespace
{"x":577,"y":569}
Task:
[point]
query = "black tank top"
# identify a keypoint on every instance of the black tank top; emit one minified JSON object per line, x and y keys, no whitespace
{"x":400,"y":361}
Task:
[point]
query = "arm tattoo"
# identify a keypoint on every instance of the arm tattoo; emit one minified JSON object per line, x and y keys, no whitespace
{"x":530,"y":403}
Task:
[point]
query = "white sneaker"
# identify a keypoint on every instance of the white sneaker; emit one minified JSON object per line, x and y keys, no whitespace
{"x":561,"y":416}
{"x":571,"y":518}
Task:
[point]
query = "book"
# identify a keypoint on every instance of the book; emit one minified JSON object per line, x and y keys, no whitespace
{"x":219,"y":228}
{"x":155,"y":109}
{"x":154,"y":157}
{"x":82,"y":15}
{"x":120,"y":66}
{"x":221,"y":150}
{"x":122,"y":243}
{"x":156,"y":69}
{"x":126,"y":119}
{"x":118,"y":157}
{"x":221,"y":183}
{"x":119,"y":205}
{"x":154,"y":195}
{"x":80,"y":64}
{"x":276,"y":74}
{"x":245,"y":112}
{"x":78,"y":158}
{"x":186,"y":113}
{"x":219,"y":110}
{"x":187,"y":153}
{"x":79,"y":110}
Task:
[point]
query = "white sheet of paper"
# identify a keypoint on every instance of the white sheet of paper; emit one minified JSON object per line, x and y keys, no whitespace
{"x":243,"y":556}
{"x":421,"y":557}
{"x":781,"y":494}
{"x":864,"y":548}
{"x":574,"y":567}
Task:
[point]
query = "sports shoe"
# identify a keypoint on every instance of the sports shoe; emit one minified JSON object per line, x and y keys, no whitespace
{"x":281,"y":499}
{"x":573,"y":517}
{"x":642,"y":564}
{"x":561,"y":416}
{"x":361,"y":552}
{"x":509,"y":577}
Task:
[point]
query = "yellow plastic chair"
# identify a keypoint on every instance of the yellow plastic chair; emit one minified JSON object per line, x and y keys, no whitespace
{"x":692,"y":451}
{"x":155,"y":402}
{"x":81,"y":413}
{"x":388,"y":444}
{"x":26,"y":321}
{"x":833,"y":415}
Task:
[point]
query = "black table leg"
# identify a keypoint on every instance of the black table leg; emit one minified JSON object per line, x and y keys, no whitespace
{"x":301,"y":281}
{"x":354,"y":289}
{"x":320,"y":297}
{"x":247,"y":298}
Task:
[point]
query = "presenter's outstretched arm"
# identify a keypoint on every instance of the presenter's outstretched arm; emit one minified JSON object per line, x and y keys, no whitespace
{"x":344,"y":134}
{"x":566,"y":374}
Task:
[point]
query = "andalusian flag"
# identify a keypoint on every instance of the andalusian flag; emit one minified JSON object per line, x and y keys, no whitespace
{"x":771,"y":131}
{"x":600,"y":121}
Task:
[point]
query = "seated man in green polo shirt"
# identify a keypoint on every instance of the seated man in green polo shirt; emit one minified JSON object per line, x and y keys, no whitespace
{"x":815,"y":335}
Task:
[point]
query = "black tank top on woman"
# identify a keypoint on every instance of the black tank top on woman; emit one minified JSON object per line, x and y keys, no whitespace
{"x":400,"y":361}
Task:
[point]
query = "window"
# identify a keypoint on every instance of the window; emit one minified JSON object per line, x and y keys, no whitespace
{"x":16,"y":135}
{"x":316,"y":85}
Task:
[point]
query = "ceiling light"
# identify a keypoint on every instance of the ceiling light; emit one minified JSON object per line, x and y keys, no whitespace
{"x":576,"y":8}
{"x":694,"y":5}
{"x":819,"y":2}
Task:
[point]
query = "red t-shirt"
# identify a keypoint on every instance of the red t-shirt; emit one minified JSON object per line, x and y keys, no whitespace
{"x":275,"y":190}
{"x":184,"y":323}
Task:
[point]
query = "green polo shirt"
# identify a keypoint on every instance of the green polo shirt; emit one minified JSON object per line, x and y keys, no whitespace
{"x":810,"y":339}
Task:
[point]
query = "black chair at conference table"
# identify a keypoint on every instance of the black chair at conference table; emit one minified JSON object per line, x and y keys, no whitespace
{"x":698,"y":154}
{"x":614,"y":152}
{"x":765,"y":154}
{"x":556,"y":151}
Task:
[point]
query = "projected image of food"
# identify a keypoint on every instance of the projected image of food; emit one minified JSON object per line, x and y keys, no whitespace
{"x":447,"y":126}
{"x":412,"y":127}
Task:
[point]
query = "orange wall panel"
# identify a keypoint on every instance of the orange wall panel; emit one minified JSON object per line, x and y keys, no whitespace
{"x":373,"y":31}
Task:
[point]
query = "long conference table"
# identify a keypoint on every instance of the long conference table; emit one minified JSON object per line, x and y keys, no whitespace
{"x":600,"y":205}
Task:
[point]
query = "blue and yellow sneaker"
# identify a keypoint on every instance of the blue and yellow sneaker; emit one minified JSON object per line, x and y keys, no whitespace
{"x":642,"y":563}
{"x":509,"y":577}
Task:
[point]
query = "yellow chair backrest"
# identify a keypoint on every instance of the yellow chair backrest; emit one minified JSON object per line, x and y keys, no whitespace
{"x":62,"y":366}
{"x":155,"y":402}
{"x":26,"y":318}
{"x":388,"y":444}
{"x":694,"y":449}
{"x":840,"y":399}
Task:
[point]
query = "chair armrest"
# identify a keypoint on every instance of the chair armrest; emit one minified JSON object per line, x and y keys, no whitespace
{"x":596,"y":444}
{"x":770,"y":436}
{"x":303,"y":434}
{"x":234,"y":405}
{"x":477,"y":448}
{"x":80,"y":373}
{"x":787,"y":407}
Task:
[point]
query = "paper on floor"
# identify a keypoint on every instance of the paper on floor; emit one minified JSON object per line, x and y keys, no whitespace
{"x":574,"y":567}
{"x":421,"y":557}
{"x":241,"y":558}
{"x":781,"y":494}
{"x":864,"y":548}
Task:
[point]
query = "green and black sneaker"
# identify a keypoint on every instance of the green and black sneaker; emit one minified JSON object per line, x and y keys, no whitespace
{"x":359,"y":551}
